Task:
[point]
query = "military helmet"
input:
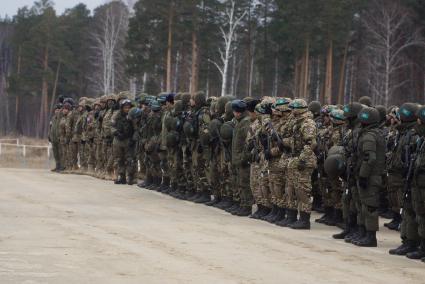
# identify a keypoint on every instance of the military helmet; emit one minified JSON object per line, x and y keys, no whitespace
{"x":220,"y":107}
{"x":200,"y":99}
{"x":186,"y":99}
{"x":226,"y":131}
{"x":188,"y":129}
{"x":82,"y":101}
{"x":369,"y":116}
{"x":228,"y":113}
{"x":298,"y":104}
{"x":282,"y":104}
{"x":211,"y":100}
{"x":251,"y":103}
{"x":239,"y":106}
{"x":352,"y":110}
{"x":382,"y":112}
{"x":315,"y":107}
{"x":125,"y":102}
{"x":69,"y":101}
{"x":335,"y":165}
{"x":366,"y":100}
{"x":178,"y":107}
{"x":162,"y":98}
{"x":421,"y":114}
{"x":58,"y":106}
{"x":407,"y":112}
{"x":154,"y":106}
{"x":135,"y":113}
{"x":337,"y":116}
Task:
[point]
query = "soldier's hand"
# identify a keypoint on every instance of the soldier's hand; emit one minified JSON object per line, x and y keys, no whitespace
{"x":302,"y":165}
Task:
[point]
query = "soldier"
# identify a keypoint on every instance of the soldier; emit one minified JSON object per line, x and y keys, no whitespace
{"x":89,"y":130}
{"x":301,"y":165}
{"x":277,"y":166}
{"x":54,"y":137}
{"x":107,"y":137}
{"x":240,"y":157}
{"x":371,"y":157}
{"x":400,"y":178}
{"x":315,"y":108}
{"x":78,"y":139}
{"x":199,"y":121}
{"x":144,"y":138}
{"x":135,"y":116}
{"x":99,"y":113}
{"x":65,"y":134}
{"x":153,"y":133}
{"x":418,"y":186}
{"x":167,"y":102}
{"x":350,"y":197}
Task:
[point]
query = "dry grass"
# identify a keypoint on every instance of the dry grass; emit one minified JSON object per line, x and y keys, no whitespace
{"x":12,"y":156}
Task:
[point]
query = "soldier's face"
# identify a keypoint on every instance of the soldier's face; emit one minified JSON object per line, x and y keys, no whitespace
{"x":65,"y":111}
{"x":80,"y":108}
{"x":111,"y":103}
{"x":237,"y":114}
{"x":57,"y":111}
{"x":126,"y":109}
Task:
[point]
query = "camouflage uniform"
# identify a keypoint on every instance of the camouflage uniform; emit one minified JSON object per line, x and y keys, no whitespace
{"x":108,"y":139}
{"x":54,"y":138}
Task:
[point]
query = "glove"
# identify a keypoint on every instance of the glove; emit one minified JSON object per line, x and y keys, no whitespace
{"x":302,"y":165}
{"x":363,"y":182}
{"x":268,"y":155}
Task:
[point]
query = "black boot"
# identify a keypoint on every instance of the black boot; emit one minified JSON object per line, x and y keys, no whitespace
{"x":280,"y":215}
{"x":204,"y":198}
{"x":291,"y":218}
{"x":235,"y":208}
{"x":120,"y":180}
{"x":419,"y":253}
{"x":244,"y":211}
{"x":230,"y":205}
{"x":195,"y":196}
{"x":406,"y":247}
{"x":272,"y":214}
{"x":369,"y":240}
{"x":395,"y":222}
{"x":325,"y":218}
{"x":359,"y":234}
{"x":165,"y":185}
{"x":350,"y":228}
{"x":259,"y":212}
{"x":146,"y":183}
{"x":303,"y":223}
{"x":131,"y":180}
{"x":224,"y":203}
{"x":215,"y":200}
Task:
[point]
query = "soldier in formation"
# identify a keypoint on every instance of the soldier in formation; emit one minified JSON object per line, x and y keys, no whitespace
{"x":272,"y":159}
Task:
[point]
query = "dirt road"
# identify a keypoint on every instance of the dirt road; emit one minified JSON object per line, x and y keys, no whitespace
{"x":76,"y":229}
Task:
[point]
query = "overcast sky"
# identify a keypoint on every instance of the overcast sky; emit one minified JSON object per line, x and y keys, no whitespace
{"x":10,"y":7}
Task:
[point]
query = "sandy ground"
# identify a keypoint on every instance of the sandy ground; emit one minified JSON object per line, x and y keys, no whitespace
{"x":75,"y":229}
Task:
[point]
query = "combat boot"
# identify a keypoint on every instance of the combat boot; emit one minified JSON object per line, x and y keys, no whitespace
{"x":131,"y":180}
{"x":171,"y":189}
{"x":325,"y":218}
{"x":359,"y":234}
{"x":419,"y":253}
{"x":272,"y":213}
{"x":350,"y":228}
{"x":280,"y":215}
{"x":215,"y":200}
{"x":291,"y":218}
{"x":303,"y":223}
{"x":395,"y":223}
{"x":259,"y":212}
{"x":195,"y":196}
{"x":120,"y":180}
{"x":369,"y":240}
{"x":204,"y":198}
{"x":165,"y":185}
{"x":146,"y":183}
{"x":189,"y":194}
{"x":225,"y":203}
{"x":234,"y":208}
{"x":244,"y":211}
{"x":406,"y":247}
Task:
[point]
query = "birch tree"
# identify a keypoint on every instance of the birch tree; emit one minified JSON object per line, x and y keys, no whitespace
{"x":229,"y":35}
{"x":390,"y":34}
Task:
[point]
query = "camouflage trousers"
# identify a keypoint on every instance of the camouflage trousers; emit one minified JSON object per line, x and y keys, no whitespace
{"x":163,"y":156}
{"x":83,"y":155}
{"x":418,"y":202}
{"x":226,"y":183}
{"x":298,"y":187}
{"x":199,"y":168}
{"x":91,"y":154}
{"x":56,"y":154}
{"x":369,"y":203}
{"x":124,"y":159}
{"x":187,"y":167}
{"x":331,"y":193}
{"x":63,"y":154}
{"x":153,"y":165}
{"x":109,"y":156}
{"x":265,"y":184}
{"x":73,"y":155}
{"x":243,"y":185}
{"x":141,"y":161}
{"x":175,"y":158}
{"x":100,"y":159}
{"x":214,"y":175}
{"x":395,"y":187}
{"x":277,"y":182}
{"x":255,"y":183}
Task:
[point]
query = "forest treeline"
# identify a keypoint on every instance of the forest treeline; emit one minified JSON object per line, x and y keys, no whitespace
{"x":334,"y":51}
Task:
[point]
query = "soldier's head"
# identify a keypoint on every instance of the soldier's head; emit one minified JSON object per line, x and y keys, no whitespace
{"x":58,"y":108}
{"x":110,"y":101}
{"x":238,"y":107}
{"x":169,"y":100}
{"x":337,"y":117}
{"x":251,"y":103}
{"x":220,"y":106}
{"x":369,"y":116}
{"x":366,"y":101}
{"x":351,"y":112}
{"x":198,"y":100}
{"x":126,"y":105}
{"x":335,"y":166}
{"x":315,"y":107}
{"x":186,"y":100}
{"x":155,"y":106}
{"x":281,"y":106}
{"x":228,"y":111}
{"x":178,"y":108}
{"x":382,"y":113}
{"x":299,"y":107}
{"x":135,"y":114}
{"x":407,"y":112}
{"x":162,"y":100}
{"x":67,"y":107}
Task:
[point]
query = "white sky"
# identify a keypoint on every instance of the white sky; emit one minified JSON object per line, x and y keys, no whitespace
{"x":10,"y":7}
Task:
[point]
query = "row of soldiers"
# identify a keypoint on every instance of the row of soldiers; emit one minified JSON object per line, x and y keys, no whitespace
{"x":283,"y":155}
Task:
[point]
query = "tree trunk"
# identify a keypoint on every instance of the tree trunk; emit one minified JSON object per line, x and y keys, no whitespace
{"x":329,"y":70}
{"x":306,"y":70}
{"x":52,"y":100}
{"x":44,"y":96}
{"x":17,"y":102}
{"x":170,"y":44}
{"x":342,"y":72}
{"x":194,"y":81}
